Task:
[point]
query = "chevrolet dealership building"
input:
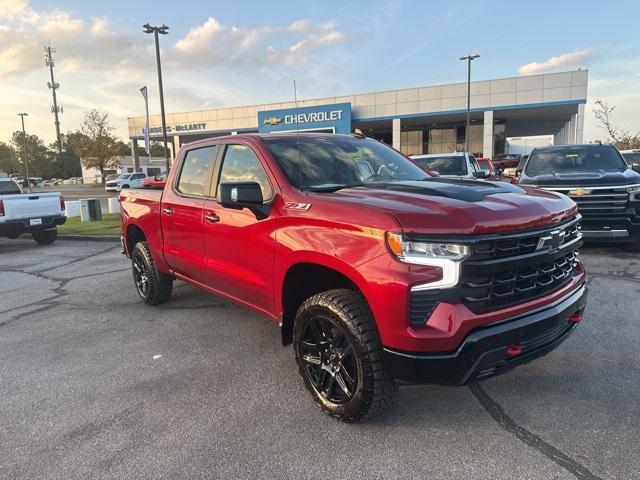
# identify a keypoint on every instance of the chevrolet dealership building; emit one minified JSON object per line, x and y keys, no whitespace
{"x":416,"y":120}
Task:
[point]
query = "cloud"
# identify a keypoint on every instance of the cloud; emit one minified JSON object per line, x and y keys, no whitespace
{"x":579,"y":58}
{"x":213,"y":44}
{"x":10,"y":8}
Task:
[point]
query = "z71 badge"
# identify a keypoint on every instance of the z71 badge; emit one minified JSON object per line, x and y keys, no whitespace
{"x":297,"y":206}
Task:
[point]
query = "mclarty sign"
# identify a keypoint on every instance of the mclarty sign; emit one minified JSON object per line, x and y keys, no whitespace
{"x":187,"y":127}
{"x":335,"y":117}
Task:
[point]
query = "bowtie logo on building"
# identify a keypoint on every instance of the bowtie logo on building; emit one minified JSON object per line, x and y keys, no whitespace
{"x":272,"y":121}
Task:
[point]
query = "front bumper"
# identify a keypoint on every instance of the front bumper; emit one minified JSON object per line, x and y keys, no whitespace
{"x":611,"y":228}
{"x":483,"y":352}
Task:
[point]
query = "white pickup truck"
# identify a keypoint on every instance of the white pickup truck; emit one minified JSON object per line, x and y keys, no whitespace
{"x":37,"y":213}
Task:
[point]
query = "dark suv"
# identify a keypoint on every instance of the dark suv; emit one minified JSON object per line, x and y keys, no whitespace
{"x":599,"y":180}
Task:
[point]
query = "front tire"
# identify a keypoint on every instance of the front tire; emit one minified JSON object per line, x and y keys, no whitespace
{"x":45,"y":237}
{"x":153,"y":287}
{"x":340,"y":356}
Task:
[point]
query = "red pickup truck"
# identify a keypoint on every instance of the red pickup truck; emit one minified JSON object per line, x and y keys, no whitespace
{"x":377,"y":272}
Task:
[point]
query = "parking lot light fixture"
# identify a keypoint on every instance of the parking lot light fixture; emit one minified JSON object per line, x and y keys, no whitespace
{"x":468,"y":58}
{"x":162,"y":30}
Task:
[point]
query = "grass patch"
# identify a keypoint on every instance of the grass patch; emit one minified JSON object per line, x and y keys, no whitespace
{"x":108,"y":226}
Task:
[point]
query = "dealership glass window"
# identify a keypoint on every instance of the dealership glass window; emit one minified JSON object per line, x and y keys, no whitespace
{"x":195,"y":171}
{"x":442,"y":140}
{"x":411,"y":142}
{"x":240,"y":164}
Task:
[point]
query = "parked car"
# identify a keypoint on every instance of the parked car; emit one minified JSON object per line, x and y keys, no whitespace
{"x":156,"y":181}
{"x":506,"y":160}
{"x":373,"y":269}
{"x":632,"y":157}
{"x":36,"y":213}
{"x":597,"y":178}
{"x":487,"y":165}
{"x":125,"y":180}
{"x":451,"y":165}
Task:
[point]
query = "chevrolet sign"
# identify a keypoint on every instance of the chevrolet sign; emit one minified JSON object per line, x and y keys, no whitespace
{"x":334,"y":117}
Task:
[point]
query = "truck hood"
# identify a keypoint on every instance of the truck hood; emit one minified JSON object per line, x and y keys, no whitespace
{"x":583,"y":179}
{"x":461,"y":207}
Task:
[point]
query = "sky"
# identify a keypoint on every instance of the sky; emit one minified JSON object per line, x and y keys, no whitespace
{"x":222,"y":53}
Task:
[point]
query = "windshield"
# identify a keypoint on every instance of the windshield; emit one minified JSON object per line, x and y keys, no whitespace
{"x":484,"y":164}
{"x":325,"y":162}
{"x":453,"y":165}
{"x":123,"y":176}
{"x":574,"y":159}
{"x":632,"y":158}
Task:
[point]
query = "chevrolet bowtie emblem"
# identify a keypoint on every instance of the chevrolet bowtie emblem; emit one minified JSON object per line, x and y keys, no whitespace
{"x":579,"y":192}
{"x":272,"y":121}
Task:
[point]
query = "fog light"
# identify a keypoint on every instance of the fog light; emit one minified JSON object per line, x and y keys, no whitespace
{"x":513,"y":350}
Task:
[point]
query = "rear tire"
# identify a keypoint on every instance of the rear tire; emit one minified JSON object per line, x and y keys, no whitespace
{"x":45,"y":237}
{"x":152,"y":286}
{"x":340,"y":356}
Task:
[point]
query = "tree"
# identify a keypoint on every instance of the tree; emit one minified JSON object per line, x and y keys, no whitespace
{"x":94,"y":143}
{"x":8,"y":159}
{"x":622,"y":139}
{"x":37,"y":153}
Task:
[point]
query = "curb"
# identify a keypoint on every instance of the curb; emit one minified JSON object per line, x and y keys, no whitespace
{"x":89,"y":238}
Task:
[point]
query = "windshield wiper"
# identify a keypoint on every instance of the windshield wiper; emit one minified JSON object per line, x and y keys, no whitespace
{"x":331,"y":187}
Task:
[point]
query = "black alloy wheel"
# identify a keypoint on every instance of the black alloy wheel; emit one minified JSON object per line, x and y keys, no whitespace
{"x":152,"y":286}
{"x":340,"y":356}
{"x":329,"y":362}
{"x":140,"y":274}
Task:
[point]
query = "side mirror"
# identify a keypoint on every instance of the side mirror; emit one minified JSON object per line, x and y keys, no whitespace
{"x":482,"y":174}
{"x":509,"y":172}
{"x":435,"y":173}
{"x":240,"y":194}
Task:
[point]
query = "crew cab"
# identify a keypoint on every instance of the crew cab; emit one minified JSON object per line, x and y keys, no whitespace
{"x":451,"y":165}
{"x":597,"y":178}
{"x":376,"y":271}
{"x":36,"y":213}
{"x":125,"y":180}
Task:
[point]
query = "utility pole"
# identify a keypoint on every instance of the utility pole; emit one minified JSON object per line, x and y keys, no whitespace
{"x":163,"y":31}
{"x":468,"y":58}
{"x":54,"y":86}
{"x":24,"y":144}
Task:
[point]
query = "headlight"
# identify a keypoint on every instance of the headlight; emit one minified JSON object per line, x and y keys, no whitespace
{"x":446,"y":256}
{"x":633,"y":188}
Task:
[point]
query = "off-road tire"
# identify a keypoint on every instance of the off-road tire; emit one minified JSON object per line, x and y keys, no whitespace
{"x":157,"y":286}
{"x":348,"y":310}
{"x":45,"y":237}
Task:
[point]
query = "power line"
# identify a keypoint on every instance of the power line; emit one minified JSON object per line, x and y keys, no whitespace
{"x":53,"y":86}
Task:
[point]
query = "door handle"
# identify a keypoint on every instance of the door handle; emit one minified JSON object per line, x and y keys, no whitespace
{"x":167,"y":211}
{"x":212,"y":218}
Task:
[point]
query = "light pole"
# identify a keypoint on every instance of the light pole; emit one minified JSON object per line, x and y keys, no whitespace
{"x":24,"y":143}
{"x":164,"y":31}
{"x":468,"y":58}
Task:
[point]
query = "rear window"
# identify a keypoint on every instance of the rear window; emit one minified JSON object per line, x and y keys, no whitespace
{"x":445,"y":165}
{"x":194,"y":176}
{"x":8,"y":187}
{"x":576,"y":159}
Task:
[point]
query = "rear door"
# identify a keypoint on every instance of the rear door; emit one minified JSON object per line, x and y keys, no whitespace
{"x":239,"y":247}
{"x":182,"y":213}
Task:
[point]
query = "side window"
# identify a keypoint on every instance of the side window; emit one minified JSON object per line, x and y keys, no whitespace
{"x":195,"y":171}
{"x":474,"y":164}
{"x":240,"y":164}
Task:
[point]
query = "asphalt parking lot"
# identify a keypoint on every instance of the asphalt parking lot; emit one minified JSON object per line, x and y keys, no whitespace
{"x":95,"y":384}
